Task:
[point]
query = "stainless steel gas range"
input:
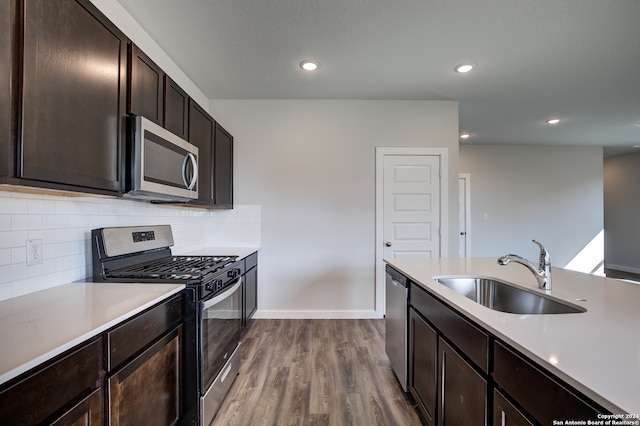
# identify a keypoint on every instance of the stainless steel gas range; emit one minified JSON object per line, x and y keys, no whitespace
{"x":213,"y":323}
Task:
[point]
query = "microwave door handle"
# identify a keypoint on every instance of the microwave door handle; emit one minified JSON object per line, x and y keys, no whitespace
{"x":209,"y":303}
{"x":194,"y":177}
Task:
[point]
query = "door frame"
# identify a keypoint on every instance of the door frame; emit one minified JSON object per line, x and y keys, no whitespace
{"x":381,"y":152}
{"x":467,"y":213}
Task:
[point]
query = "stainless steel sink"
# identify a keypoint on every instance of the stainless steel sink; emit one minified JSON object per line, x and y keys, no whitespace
{"x":506,"y":297}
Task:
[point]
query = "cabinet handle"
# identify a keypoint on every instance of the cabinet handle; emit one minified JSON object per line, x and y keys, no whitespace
{"x":504,"y":418}
{"x":194,"y":178}
{"x":388,"y":244}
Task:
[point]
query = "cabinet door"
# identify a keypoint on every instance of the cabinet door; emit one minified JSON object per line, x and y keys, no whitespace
{"x":146,"y":391}
{"x":176,"y":109}
{"x":462,"y":399}
{"x":223,"y":168}
{"x":87,"y":412}
{"x":506,"y":414}
{"x":73,"y":95}
{"x":47,"y":390}
{"x":146,"y":86}
{"x":250,"y":296}
{"x":423,"y":366}
{"x":6,"y":100}
{"x":201,"y":131}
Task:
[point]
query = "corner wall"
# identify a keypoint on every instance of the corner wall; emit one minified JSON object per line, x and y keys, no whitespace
{"x":621,"y":213}
{"x":551,"y":194}
{"x":310,"y":165}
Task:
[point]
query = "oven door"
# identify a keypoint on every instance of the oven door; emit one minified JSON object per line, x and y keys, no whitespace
{"x":220,"y":331}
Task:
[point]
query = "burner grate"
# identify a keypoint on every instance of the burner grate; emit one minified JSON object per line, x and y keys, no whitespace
{"x":175,"y":267}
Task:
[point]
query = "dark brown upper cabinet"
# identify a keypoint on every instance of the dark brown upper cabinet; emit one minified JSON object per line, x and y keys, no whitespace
{"x":223,"y":168}
{"x":215,"y":162}
{"x":7,"y":31}
{"x":73,"y":98}
{"x":201,"y":133}
{"x":176,"y":109}
{"x":146,"y":87}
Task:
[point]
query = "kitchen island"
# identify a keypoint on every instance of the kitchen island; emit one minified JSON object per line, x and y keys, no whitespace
{"x":597,"y":352}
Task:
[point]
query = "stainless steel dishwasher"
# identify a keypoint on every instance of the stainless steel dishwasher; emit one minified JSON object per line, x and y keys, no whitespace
{"x":395,"y":343}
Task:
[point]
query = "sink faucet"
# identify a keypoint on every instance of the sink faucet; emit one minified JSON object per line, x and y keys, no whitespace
{"x":542,"y":271}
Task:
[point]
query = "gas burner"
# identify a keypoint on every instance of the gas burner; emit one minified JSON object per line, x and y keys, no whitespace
{"x":176,"y":268}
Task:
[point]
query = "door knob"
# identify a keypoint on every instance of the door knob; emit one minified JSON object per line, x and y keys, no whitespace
{"x":388,"y":244}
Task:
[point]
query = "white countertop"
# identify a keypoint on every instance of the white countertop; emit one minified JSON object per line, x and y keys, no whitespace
{"x":38,"y":326}
{"x":597,"y":351}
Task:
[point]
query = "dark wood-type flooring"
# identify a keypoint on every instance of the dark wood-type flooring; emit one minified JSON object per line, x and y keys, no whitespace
{"x":316,"y":372}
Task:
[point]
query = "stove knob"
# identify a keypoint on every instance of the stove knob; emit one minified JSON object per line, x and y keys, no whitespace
{"x":208,"y":287}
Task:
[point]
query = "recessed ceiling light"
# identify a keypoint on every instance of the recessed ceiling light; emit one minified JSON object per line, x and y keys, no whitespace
{"x":465,"y":135}
{"x":553,"y":121}
{"x":309,"y":65}
{"x":462,"y":68}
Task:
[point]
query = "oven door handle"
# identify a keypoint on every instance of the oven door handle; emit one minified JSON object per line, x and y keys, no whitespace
{"x":216,"y":299}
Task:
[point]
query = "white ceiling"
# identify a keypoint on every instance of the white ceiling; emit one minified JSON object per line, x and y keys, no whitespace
{"x":536,"y":59}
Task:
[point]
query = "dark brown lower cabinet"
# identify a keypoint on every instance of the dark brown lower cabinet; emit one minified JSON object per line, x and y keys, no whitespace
{"x":85,"y":413}
{"x":544,"y":397}
{"x":146,"y":390}
{"x":423,"y":366}
{"x":250,"y":289}
{"x":460,"y":374}
{"x":64,"y":389}
{"x":463,"y":394}
{"x":506,"y":414}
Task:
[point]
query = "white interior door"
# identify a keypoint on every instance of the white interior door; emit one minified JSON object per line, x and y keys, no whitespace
{"x":464,"y":214}
{"x":412,"y":188}
{"x":411,"y":206}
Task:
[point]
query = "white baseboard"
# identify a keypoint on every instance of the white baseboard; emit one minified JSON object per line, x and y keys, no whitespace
{"x":622,"y":268}
{"x":266,"y":314}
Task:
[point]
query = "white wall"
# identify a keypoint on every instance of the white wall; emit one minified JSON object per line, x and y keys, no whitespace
{"x":551,"y":194}
{"x":310,"y":165}
{"x":622,"y":211}
{"x":64,"y":225}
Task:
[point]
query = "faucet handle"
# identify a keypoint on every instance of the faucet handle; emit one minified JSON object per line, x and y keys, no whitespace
{"x":545,"y":257}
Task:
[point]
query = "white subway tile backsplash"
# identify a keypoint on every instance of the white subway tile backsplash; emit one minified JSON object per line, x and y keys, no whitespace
{"x":19,"y":254}
{"x":11,"y":239}
{"x":64,"y":225}
{"x":26,"y":222}
{"x":5,"y":222}
{"x":13,"y":272}
{"x":6,"y":254}
{"x":13,"y":206}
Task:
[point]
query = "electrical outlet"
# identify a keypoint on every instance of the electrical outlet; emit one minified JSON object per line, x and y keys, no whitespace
{"x":34,"y":252}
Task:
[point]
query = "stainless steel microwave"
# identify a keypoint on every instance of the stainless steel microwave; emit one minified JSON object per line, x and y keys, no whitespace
{"x":162,"y":166}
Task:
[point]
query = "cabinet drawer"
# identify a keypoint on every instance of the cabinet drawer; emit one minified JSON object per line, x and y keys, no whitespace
{"x":128,"y":338}
{"x":506,"y":414}
{"x":48,"y":390}
{"x":471,"y":340}
{"x":542,"y":396}
{"x":251,"y":261}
